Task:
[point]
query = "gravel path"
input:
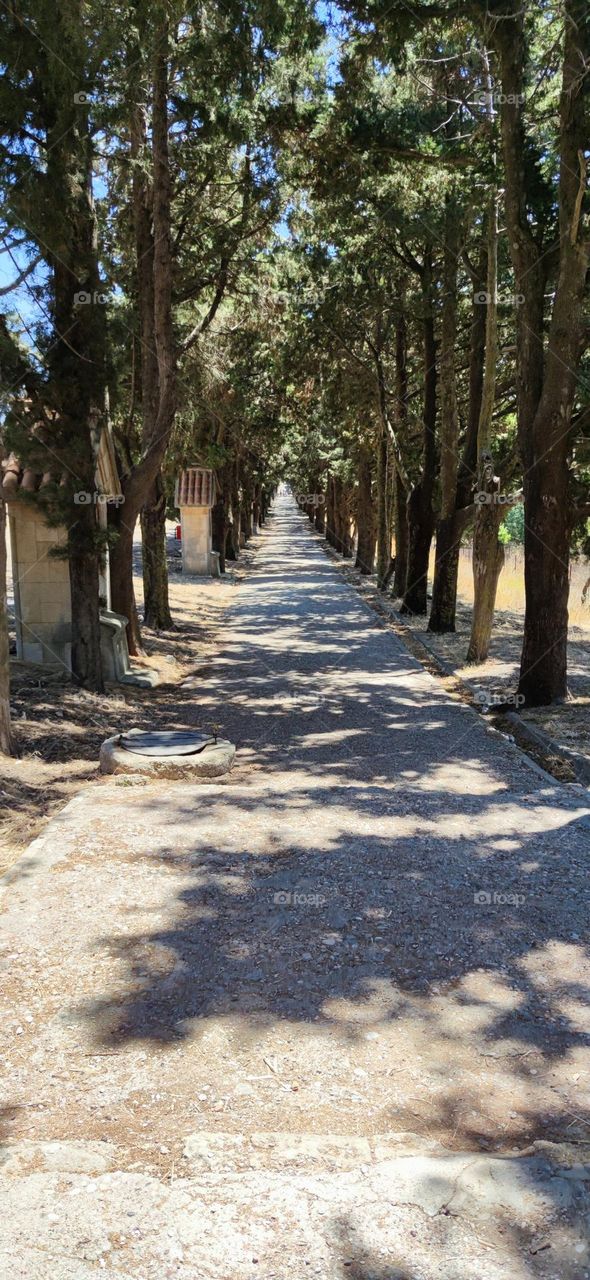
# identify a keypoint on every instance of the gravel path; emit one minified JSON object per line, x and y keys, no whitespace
{"x":328,"y":1017}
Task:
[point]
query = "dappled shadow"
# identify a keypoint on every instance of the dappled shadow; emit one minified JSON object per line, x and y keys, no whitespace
{"x":465,"y":1248}
{"x":404,"y":870}
{"x":379,"y":922}
{"x":354,"y":920}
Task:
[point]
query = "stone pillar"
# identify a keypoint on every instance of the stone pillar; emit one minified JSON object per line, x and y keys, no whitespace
{"x":196,"y":539}
{"x":195,"y":497}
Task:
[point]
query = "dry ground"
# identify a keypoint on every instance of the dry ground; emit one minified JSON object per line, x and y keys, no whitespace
{"x":59,"y":728}
{"x":327,"y":1017}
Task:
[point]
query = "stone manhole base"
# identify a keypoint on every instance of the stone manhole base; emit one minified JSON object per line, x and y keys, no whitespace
{"x":167,"y":755}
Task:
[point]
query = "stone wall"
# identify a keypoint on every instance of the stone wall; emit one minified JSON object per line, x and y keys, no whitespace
{"x":41,"y":589}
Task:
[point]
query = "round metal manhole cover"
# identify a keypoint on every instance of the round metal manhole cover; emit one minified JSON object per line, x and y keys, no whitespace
{"x":172,"y":742}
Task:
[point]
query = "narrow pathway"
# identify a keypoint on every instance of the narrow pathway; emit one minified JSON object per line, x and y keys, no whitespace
{"x":326,"y":1017}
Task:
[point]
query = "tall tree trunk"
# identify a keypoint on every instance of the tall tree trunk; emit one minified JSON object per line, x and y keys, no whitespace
{"x":219,"y":521}
{"x":546,"y":390}
{"x":156,"y":605}
{"x":76,"y":358}
{"x":236,"y":509}
{"x":488,"y":562}
{"x":232,"y":549}
{"x":400,"y":488}
{"x":5,"y":730}
{"x":57,"y":201}
{"x":400,"y":575}
{"x":365,"y":513}
{"x":256,"y":512}
{"x":421,"y":529}
{"x":121,"y":571}
{"x":84,"y":586}
{"x":391,"y":473}
{"x":152,"y":212}
{"x":547,"y":501}
{"x":446,"y":572}
{"x":330,"y":512}
{"x":343,"y":537}
{"x":448,"y":537}
{"x":79,"y":397}
{"x":488,"y":552}
{"x":247,"y":509}
{"x":320,"y":513}
{"x":467,"y":477}
{"x":451,"y":530}
{"x":420,"y":509}
{"x":338,"y":531}
{"x":383,"y":529}
{"x":162,"y":248}
{"x":347,"y":543}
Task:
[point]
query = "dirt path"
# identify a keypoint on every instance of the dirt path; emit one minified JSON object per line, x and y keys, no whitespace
{"x":326,"y":1018}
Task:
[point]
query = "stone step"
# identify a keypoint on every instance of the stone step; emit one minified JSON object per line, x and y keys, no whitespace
{"x":298,"y":1205}
{"x":299,"y":1152}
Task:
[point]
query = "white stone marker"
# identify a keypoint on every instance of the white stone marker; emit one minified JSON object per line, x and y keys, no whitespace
{"x":195,"y":495}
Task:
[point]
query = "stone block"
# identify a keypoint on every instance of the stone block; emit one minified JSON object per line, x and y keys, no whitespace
{"x":34,"y":571}
{"x":29,"y":599}
{"x":57,"y":570}
{"x":25,"y":544}
{"x":56,"y":655}
{"x":32,"y":651}
{"x":54,"y":612}
{"x":54,"y":593}
{"x":59,"y":633}
{"x":46,"y":535}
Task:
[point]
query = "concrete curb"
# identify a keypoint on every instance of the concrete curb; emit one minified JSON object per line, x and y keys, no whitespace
{"x":44,"y":850}
{"x":538,"y":738}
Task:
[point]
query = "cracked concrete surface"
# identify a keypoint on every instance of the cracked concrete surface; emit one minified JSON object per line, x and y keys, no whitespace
{"x":328,"y":1017}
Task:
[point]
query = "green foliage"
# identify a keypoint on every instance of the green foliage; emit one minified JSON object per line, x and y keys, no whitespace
{"x":310,"y":187}
{"x":512,"y":528}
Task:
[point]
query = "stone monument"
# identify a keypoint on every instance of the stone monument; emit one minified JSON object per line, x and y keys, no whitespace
{"x":195,"y":496}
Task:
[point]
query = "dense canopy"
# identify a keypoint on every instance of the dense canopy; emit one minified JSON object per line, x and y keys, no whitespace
{"x":342,"y":246}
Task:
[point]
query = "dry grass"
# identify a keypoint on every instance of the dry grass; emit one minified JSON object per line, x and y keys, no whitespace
{"x":511,"y":585}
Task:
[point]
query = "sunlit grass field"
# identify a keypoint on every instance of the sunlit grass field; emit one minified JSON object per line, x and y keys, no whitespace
{"x":511,"y":585}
